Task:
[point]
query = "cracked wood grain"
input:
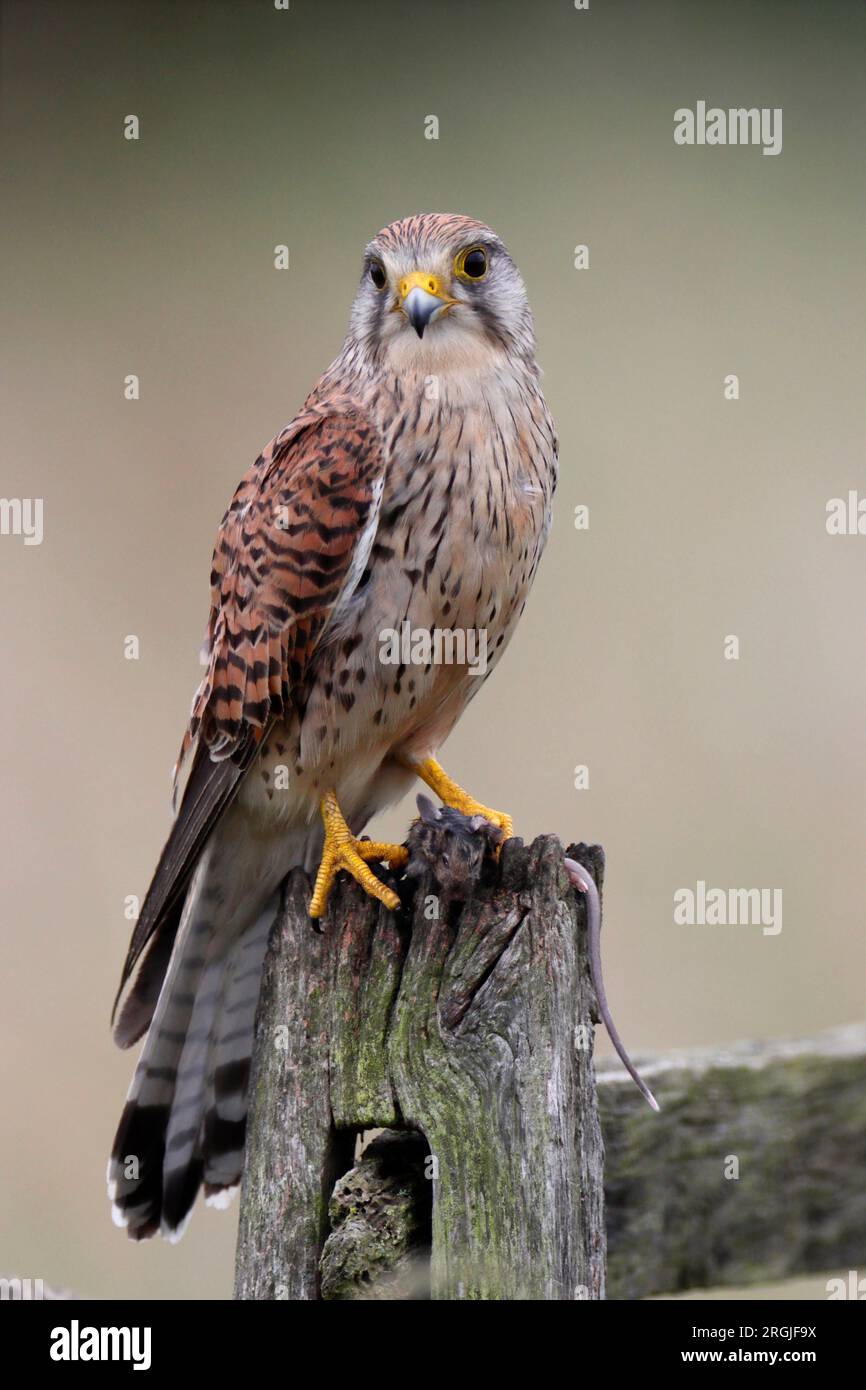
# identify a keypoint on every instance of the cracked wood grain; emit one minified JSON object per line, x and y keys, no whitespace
{"x":469,"y":1024}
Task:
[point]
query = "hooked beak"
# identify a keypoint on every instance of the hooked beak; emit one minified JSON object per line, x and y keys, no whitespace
{"x":422,"y":299}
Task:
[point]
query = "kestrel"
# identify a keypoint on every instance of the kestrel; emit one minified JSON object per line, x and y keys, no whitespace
{"x":411,"y":494}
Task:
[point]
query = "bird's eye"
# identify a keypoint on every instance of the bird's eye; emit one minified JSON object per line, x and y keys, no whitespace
{"x":472,"y":264}
{"x":377,"y":275}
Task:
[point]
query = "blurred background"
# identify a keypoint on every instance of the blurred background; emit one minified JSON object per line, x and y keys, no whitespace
{"x":707,"y":516}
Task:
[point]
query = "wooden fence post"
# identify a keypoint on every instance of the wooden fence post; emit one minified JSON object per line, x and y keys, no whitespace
{"x":467,"y":1023}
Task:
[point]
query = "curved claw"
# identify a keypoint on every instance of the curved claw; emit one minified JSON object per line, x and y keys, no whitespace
{"x":453,"y":795}
{"x":343,"y":851}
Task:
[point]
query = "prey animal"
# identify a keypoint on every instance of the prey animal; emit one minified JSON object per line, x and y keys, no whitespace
{"x":452,"y":847}
{"x":414,"y":486}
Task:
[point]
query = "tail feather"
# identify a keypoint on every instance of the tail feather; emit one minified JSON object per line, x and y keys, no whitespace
{"x":135,"y":1169}
{"x":225,"y":1110}
{"x":140,"y":1005}
{"x":185,"y":1116}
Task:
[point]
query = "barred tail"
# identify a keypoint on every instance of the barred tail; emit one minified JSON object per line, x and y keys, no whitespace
{"x":185,"y":1115}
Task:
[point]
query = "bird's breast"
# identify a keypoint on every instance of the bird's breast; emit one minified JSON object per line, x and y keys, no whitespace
{"x":466,"y":506}
{"x":462,"y":522}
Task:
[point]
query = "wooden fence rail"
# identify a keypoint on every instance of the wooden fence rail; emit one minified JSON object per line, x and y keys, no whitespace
{"x":754,"y":1171}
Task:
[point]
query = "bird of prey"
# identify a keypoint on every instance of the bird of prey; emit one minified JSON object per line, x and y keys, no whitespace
{"x":414,"y":487}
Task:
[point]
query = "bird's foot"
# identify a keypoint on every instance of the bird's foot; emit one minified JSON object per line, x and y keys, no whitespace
{"x":448,"y":791}
{"x":343,"y":851}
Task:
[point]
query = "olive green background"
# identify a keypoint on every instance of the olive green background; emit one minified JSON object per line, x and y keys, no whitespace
{"x":707,"y":517}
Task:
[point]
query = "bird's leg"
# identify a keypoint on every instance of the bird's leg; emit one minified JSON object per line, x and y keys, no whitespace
{"x":448,"y":791}
{"x":343,"y":851}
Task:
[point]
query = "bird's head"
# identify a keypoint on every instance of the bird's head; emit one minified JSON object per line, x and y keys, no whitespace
{"x":440,"y":290}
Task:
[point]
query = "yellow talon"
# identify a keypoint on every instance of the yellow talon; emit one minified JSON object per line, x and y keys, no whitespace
{"x":448,"y":791}
{"x":343,"y":851}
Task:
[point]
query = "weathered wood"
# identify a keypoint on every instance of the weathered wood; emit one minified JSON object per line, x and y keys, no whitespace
{"x":485,"y":1065}
{"x":292,"y":1160}
{"x":470,"y":1024}
{"x":379,"y":1246}
{"x":793,"y":1115}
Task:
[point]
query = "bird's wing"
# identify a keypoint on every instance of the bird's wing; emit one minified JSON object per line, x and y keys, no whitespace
{"x":287,"y":547}
{"x":291,"y":547}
